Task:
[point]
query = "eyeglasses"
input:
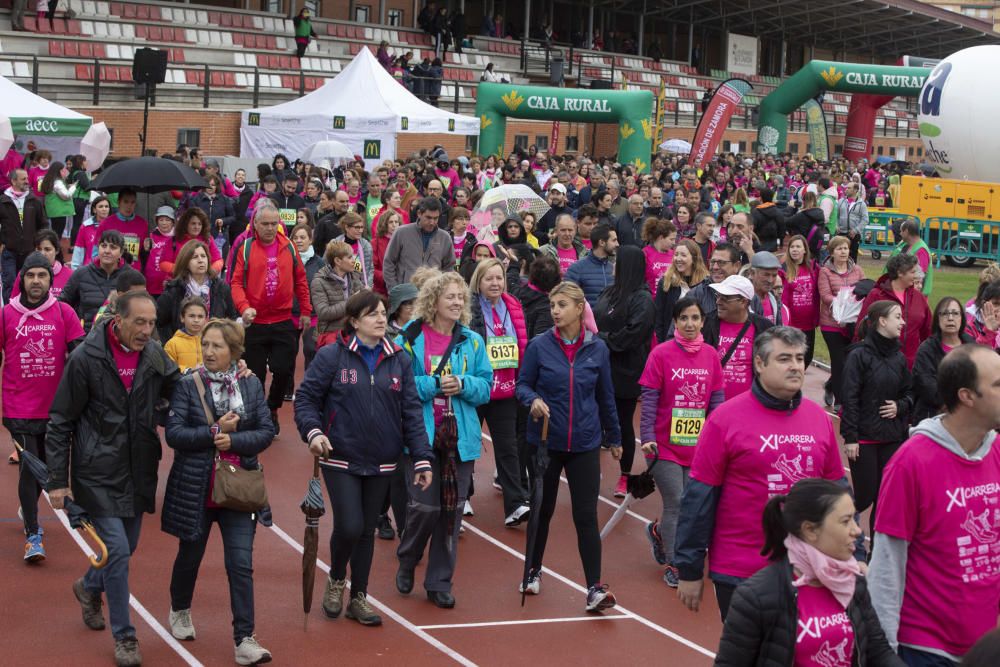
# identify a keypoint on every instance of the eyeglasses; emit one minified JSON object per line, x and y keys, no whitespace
{"x":719,"y":262}
{"x":727,"y":298}
{"x":951,"y":313}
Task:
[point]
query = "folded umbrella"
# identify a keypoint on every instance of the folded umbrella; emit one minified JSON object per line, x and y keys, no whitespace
{"x":312,"y":506}
{"x":446,"y":446}
{"x":148,"y":174}
{"x":531,"y":533}
{"x":78,"y":517}
{"x":637,"y":487}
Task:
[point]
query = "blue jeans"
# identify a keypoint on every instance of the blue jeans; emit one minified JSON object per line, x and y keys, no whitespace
{"x":238,"y":529}
{"x":121,"y":535}
{"x":917,"y":658}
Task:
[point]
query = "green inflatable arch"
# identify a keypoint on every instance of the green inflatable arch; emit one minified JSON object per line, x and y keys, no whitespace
{"x":818,"y":75}
{"x":632,"y":110}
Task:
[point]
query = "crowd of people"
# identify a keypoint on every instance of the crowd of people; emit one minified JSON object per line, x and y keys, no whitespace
{"x":684,"y":300}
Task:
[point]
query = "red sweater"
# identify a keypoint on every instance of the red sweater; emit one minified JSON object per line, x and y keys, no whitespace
{"x":249,"y":272}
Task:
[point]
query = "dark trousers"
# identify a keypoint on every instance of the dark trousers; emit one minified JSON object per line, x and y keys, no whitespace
{"x":866,"y":474}
{"x":583,"y":472}
{"x":121,"y":536}
{"x":396,"y":498}
{"x":724,"y":596}
{"x":917,"y":658}
{"x":626,"y":411}
{"x":810,"y":345}
{"x":855,"y":245}
{"x":525,"y":452}
{"x":501,"y":417}
{"x":300,"y":48}
{"x":272,"y":346}
{"x":837,"y":343}
{"x":81,"y":206}
{"x":237,"y":530}
{"x":18,"y":8}
{"x":28,"y":489}
{"x":356,"y":502}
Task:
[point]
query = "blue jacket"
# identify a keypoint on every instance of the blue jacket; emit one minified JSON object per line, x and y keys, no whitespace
{"x":580,"y":395}
{"x":369,"y":419}
{"x":472,"y":367}
{"x":593,"y":275}
{"x":194,"y":452}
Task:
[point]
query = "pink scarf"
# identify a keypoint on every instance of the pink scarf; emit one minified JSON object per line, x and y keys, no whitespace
{"x":838,"y":576}
{"x":36,"y":313}
{"x":691,"y":346}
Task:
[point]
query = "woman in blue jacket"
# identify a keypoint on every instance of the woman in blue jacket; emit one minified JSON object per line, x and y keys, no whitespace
{"x":241,"y":429}
{"x":566,"y":377}
{"x":451,"y":368}
{"x":357,"y":408}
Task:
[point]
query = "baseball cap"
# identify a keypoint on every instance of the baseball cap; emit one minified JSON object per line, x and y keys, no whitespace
{"x":164,"y":212}
{"x":558,"y":187}
{"x":764,"y":260}
{"x":734,"y":286}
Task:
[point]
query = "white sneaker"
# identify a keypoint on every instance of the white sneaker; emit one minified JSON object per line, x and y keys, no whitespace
{"x":534,"y":586}
{"x":496,"y":482}
{"x":249,"y":652}
{"x":467,"y":510}
{"x":181,"y":626}
{"x":517,"y":516}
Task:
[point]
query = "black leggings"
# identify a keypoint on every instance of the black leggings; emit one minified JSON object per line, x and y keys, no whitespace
{"x":866,"y":475}
{"x":356,"y":502}
{"x":626,"y":413}
{"x":837,"y":343}
{"x":810,"y":345}
{"x":396,"y":498}
{"x":583,"y":472}
{"x":28,"y":489}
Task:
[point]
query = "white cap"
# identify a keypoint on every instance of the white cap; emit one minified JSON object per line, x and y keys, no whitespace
{"x":734,"y":286}
{"x":559,"y":187}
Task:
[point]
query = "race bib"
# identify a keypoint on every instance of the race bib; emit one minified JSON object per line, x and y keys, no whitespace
{"x":502,"y":352}
{"x":879,"y":200}
{"x":435,"y":360}
{"x":357,"y":265}
{"x":132,"y":245}
{"x":685,"y":426}
{"x":288,"y":216}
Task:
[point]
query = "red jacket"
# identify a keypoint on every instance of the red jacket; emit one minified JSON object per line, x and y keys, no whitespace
{"x":249,"y":271}
{"x":917,"y":315}
{"x":379,"y":246}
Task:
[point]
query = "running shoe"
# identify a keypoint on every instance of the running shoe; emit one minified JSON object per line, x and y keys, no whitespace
{"x":290,"y":397}
{"x":534,"y":586}
{"x":621,"y":488}
{"x":34,"y":550}
{"x":828,"y":397}
{"x":181,"y":625}
{"x":600,"y":598}
{"x":656,"y":542}
{"x":467,"y":509}
{"x":517,"y":517}
{"x":496,"y":482}
{"x":127,"y":652}
{"x":671,"y":577}
{"x":384,"y":526}
{"x":249,"y":652}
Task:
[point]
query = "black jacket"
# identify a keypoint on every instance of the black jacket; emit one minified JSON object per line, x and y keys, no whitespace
{"x":109,"y":432}
{"x":17,"y":235}
{"x":327,"y":229}
{"x":629,"y":229}
{"x":627,"y":329}
{"x":168,"y":307}
{"x":811,"y":224}
{"x":240,"y":221}
{"x":87,"y":290}
{"x":769,"y":226}
{"x":281,"y":200}
{"x":194,"y":451}
{"x":924,"y":395}
{"x":875,"y":372}
{"x":710,"y":331}
{"x":664,"y":302}
{"x":537,"y":313}
{"x":762,"y":624}
{"x":219,"y":207}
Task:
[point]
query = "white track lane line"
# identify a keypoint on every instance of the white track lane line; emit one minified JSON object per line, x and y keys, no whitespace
{"x":529,"y":621}
{"x":417,"y":630}
{"x":133,"y":601}
{"x":572,"y":584}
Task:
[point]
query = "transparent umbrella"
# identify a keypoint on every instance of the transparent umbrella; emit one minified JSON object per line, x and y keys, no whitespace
{"x":676,"y":146}
{"x":504,"y":202}
{"x":329,"y":149}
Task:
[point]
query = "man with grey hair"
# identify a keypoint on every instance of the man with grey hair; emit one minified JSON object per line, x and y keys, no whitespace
{"x":751,"y":448}
{"x":629,"y":224}
{"x":654,"y":205}
{"x":618,"y":203}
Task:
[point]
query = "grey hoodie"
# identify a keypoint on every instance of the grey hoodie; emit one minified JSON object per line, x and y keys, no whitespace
{"x":887,"y":572}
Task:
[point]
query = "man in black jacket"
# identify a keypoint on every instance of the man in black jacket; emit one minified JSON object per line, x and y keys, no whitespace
{"x":288,"y":201}
{"x":22,"y":215}
{"x":104,"y":418}
{"x":328,"y":224}
{"x":629,"y":224}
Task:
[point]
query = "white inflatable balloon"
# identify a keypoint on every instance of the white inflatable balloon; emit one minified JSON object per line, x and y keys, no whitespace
{"x":957,"y":115}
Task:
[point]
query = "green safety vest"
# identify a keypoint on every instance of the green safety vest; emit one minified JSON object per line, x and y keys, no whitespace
{"x":56,"y":207}
{"x":831,"y":224}
{"x":912,"y":250}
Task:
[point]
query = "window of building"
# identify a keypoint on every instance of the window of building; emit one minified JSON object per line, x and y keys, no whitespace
{"x":361,"y":13}
{"x":521,"y":141}
{"x":838,"y":149}
{"x":572,"y":143}
{"x":472,"y":143}
{"x":911,"y":151}
{"x":920,"y":151}
{"x":189,"y":136}
{"x":542,"y":142}
{"x":881,"y":150}
{"x":395,"y":17}
{"x":793,"y":148}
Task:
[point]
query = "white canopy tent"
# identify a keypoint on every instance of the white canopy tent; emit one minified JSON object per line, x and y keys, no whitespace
{"x":363,"y":107}
{"x":36,"y":120}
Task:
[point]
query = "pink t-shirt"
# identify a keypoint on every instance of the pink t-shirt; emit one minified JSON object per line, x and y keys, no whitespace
{"x":157,"y":253}
{"x":951,"y":519}
{"x":566,"y":258}
{"x":801,"y":298}
{"x":686,"y":382}
{"x":34,"y":358}
{"x":504,"y":369}
{"x":60,"y":276}
{"x":435,"y":345}
{"x":126,"y":361}
{"x":135,"y":232}
{"x":35,"y":177}
{"x":459,"y":242}
{"x":753,"y":453}
{"x":271,"y":277}
{"x":825,"y":636}
{"x":767,"y":311}
{"x":657,"y":264}
{"x":587,"y":243}
{"x":86,"y":239}
{"x":738,"y":372}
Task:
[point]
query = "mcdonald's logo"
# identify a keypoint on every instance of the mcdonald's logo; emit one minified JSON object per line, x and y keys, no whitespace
{"x":373,"y":149}
{"x":404,"y":123}
{"x":339,"y":122}
{"x":451,"y":124}
{"x":253,"y":119}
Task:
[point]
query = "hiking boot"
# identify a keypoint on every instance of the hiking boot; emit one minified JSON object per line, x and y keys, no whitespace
{"x":249,"y":652}
{"x":385,"y":531}
{"x":534,"y":585}
{"x":90,"y":606}
{"x":600,"y":598}
{"x":333,"y":597}
{"x":671,"y":577}
{"x":517,"y":517}
{"x":34,"y":550}
{"x":621,"y":488}
{"x":361,"y":611}
{"x":181,"y":626}
{"x":656,"y":542}
{"x":127,"y":652}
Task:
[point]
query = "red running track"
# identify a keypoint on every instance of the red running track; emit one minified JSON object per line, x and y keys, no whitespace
{"x":487,"y":627}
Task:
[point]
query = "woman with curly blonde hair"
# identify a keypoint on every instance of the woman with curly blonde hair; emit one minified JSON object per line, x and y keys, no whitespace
{"x":452,"y":374}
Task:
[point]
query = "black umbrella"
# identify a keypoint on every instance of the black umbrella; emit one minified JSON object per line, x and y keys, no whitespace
{"x":531,"y":534}
{"x":78,"y":517}
{"x":148,"y":174}
{"x":312,"y":506}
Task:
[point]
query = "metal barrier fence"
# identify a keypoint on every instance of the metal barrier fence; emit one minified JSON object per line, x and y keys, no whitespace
{"x":962,"y":241}
{"x":881,"y":231}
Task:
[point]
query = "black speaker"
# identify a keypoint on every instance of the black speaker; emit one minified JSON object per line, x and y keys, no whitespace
{"x":600,"y":84}
{"x":149,"y":66}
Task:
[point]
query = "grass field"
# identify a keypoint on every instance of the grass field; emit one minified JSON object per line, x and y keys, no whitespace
{"x":948,"y":281}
